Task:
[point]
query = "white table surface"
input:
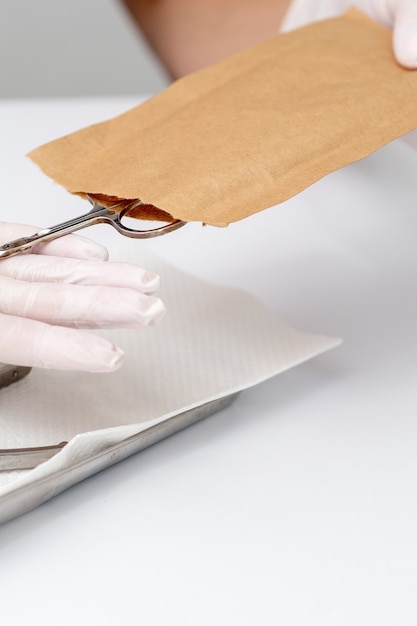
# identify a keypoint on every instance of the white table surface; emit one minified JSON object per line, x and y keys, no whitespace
{"x":295,"y":506}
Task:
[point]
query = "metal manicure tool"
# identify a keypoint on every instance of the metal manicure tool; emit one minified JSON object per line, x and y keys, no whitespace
{"x":98,"y":215}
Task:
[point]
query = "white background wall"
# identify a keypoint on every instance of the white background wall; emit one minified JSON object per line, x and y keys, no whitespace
{"x":72,"y":48}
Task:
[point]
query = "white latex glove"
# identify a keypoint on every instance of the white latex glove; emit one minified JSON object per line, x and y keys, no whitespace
{"x":400,"y":15}
{"x":64,"y":285}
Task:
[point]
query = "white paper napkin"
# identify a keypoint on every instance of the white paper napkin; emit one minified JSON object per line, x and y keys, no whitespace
{"x":213,"y":342}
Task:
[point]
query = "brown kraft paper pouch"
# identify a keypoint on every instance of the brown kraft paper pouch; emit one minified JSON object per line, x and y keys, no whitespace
{"x":251,"y":131}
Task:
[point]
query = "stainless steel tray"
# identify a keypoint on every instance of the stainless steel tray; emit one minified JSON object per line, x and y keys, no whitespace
{"x":24,"y":498}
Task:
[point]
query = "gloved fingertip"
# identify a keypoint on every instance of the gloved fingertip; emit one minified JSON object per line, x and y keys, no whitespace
{"x":80,"y":351}
{"x":405,"y":49}
{"x":93,"y":251}
{"x":151,"y":282}
{"x":73,"y":246}
{"x":152,"y":313}
{"x":106,"y":359}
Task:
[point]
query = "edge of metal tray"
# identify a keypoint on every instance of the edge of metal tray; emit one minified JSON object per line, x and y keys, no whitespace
{"x":24,"y":498}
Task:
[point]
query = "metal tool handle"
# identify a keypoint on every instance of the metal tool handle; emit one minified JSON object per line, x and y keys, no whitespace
{"x":11,"y":374}
{"x":142,"y":234}
{"x":27,"y":458}
{"x":95,"y":216}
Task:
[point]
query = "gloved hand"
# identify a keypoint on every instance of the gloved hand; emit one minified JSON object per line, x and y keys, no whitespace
{"x":65,"y":285}
{"x":400,"y":15}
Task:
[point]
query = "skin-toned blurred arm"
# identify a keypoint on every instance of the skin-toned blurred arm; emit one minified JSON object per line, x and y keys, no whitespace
{"x":187,"y":35}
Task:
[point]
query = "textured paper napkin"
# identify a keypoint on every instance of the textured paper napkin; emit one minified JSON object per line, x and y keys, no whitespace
{"x":213,"y":342}
{"x":251,"y":131}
